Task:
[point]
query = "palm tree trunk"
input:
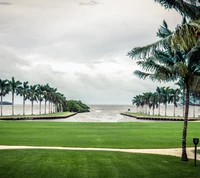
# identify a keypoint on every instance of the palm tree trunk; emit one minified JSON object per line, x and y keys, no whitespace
{"x":1,"y":105}
{"x":12,"y":103}
{"x":174,"y":109}
{"x":194,"y":107}
{"x":23,"y":106}
{"x":183,"y":101}
{"x":49,"y":108}
{"x":184,"y":153}
{"x":45,"y":106}
{"x":159,"y":109}
{"x":40,"y":107}
{"x":32,"y":107}
{"x":165,"y":109}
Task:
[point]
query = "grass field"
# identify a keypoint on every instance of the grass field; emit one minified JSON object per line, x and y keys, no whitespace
{"x":37,"y":115}
{"x":155,"y":116}
{"x":94,"y":164}
{"x":105,"y":135}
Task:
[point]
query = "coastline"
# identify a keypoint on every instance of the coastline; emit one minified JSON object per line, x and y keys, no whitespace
{"x":159,"y":118}
{"x":14,"y":118}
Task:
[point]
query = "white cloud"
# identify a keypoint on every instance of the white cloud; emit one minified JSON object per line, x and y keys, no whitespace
{"x":78,"y":46}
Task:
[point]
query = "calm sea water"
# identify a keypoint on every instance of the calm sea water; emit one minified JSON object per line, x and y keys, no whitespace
{"x":99,"y":113}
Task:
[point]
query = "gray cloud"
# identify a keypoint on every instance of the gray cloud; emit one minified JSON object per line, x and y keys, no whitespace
{"x":80,"y":51}
{"x":90,"y":3}
{"x":5,"y":3}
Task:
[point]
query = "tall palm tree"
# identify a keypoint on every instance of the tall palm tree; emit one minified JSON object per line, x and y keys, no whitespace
{"x":32,"y":95}
{"x":158,"y":91}
{"x":40,"y":95}
{"x":147,"y":99}
{"x":184,"y":42}
{"x":4,"y":89}
{"x":24,"y":93}
{"x":46,"y":89}
{"x":14,"y":86}
{"x":174,"y":98}
{"x":52,"y":95}
{"x":136,"y":101}
{"x":154,"y":101}
{"x":165,"y":92}
{"x":181,"y":85}
{"x":59,"y":100}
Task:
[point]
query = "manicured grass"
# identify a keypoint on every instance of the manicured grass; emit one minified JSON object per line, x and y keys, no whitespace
{"x":52,"y":114}
{"x":93,"y":164}
{"x":105,"y":135}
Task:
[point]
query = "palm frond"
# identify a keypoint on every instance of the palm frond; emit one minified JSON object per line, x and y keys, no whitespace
{"x":188,"y":9}
{"x":181,"y":69}
{"x":195,"y":83}
{"x":163,"y":31}
{"x":164,"y":74}
{"x":185,"y":37}
{"x":146,"y":51}
{"x":148,"y":65}
{"x":164,"y":58}
{"x":142,"y":75}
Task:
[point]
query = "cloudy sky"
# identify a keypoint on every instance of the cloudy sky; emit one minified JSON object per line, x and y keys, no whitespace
{"x":79,"y":46}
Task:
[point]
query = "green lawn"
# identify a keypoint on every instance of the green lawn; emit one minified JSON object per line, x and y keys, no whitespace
{"x":105,"y":135}
{"x":52,"y":114}
{"x":92,"y":164}
{"x":147,"y":115}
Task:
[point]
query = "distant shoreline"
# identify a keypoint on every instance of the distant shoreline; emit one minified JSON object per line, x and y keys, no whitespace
{"x":5,"y":103}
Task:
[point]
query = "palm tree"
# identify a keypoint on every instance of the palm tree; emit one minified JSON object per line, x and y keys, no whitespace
{"x":46,"y":89}
{"x":4,"y":89}
{"x":136,"y":101}
{"x":52,"y":95}
{"x":147,"y":99}
{"x":158,"y":91}
{"x":14,"y":86}
{"x":24,"y":93}
{"x":185,"y":43}
{"x":59,"y":100}
{"x":40,"y":95}
{"x":32,"y":95}
{"x":174,"y":98}
{"x":181,"y":85}
{"x":165,"y":91}
{"x":154,"y":101}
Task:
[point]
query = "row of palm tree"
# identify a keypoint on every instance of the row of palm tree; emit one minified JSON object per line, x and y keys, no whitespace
{"x":165,"y":96}
{"x":33,"y":93}
{"x":176,"y":56}
{"x":162,"y":95}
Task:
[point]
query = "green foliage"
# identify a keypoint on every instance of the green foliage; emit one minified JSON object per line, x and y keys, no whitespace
{"x":75,"y":106}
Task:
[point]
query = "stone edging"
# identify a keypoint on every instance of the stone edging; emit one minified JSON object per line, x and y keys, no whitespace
{"x":36,"y":117}
{"x":159,"y":118}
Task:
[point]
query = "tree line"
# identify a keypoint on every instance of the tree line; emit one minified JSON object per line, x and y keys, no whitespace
{"x":176,"y":56}
{"x":55,"y":100}
{"x":164,"y":95}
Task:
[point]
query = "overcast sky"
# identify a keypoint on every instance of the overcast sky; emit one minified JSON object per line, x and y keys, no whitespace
{"x":80,"y":46}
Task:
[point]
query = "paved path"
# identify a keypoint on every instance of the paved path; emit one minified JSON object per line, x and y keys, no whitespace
{"x":170,"y":151}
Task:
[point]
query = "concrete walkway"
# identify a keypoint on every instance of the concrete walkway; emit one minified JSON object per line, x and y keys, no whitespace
{"x":171,"y":151}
